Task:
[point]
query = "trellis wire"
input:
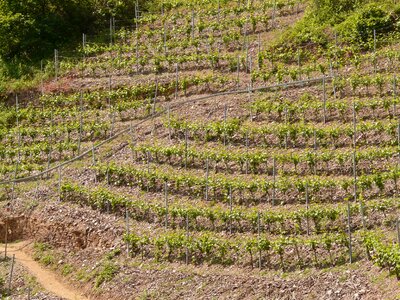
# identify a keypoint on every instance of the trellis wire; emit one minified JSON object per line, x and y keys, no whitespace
{"x":157,"y":114}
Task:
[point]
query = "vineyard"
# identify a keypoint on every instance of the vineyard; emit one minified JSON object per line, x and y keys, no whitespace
{"x":192,"y":146}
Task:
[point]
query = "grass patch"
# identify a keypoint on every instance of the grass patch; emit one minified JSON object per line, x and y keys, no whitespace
{"x":106,"y":273}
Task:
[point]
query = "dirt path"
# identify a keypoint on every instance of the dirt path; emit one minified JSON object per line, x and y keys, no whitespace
{"x":47,"y":279}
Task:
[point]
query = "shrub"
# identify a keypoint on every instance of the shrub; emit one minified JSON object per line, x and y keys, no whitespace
{"x":359,"y":27}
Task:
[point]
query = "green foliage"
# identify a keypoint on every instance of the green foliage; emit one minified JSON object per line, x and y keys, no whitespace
{"x":1,"y":285}
{"x":307,"y":32}
{"x":359,"y":27}
{"x":107,"y":273}
{"x":32,"y":29}
{"x":353,"y":20}
{"x":333,"y":11}
{"x":35,"y":28}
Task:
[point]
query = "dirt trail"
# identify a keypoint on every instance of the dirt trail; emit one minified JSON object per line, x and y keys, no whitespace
{"x":47,"y":279}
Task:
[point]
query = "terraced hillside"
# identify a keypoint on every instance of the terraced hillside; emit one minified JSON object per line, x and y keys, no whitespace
{"x":191,"y":157}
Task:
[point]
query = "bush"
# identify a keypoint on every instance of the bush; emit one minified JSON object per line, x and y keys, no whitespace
{"x":305,"y":33}
{"x":32,"y":29}
{"x":359,"y":27}
{"x":333,"y":11}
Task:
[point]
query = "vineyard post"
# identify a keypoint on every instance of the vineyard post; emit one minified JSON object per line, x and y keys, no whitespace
{"x":336,"y":39}
{"x":41,"y":77}
{"x":324,"y":88}
{"x":249,"y":100}
{"x":273,"y":13}
{"x":398,"y":230}
{"x":111,"y":31}
{"x":186,"y":146}
{"x":176,"y":80}
{"x":111,"y":113}
{"x":299,"y":63}
{"x":355,"y":190}
{"x":166,"y":203}
{"x":148,"y":169}
{"x":127,"y":230}
{"x":49,"y":157}
{"x":259,"y":50}
{"x":207,"y":174}
{"x":154,"y":106}
{"x":83,"y":43}
{"x":80,"y":124}
{"x":246,"y":41}
{"x":94,"y":163}
{"x":225,"y":116}
{"x":108,"y":174}
{"x":192,"y":24}
{"x":219,"y":11}
{"x":187,"y":238}
{"x":56,"y":64}
{"x":250,"y":71}
{"x":307,"y":209}
{"x":11,"y":274}
{"x":169,"y":121}
{"x":6,"y":239}
{"x":13,"y":184}
{"x":37,"y":190}
{"x":19,"y":138}
{"x":274,"y":180}
{"x":29,"y":293}
{"x":398,"y":140}
{"x":155,"y":96}
{"x":132,"y":141}
{"x":349,"y":231}
{"x":238,"y":71}
{"x":354,"y":126}
{"x":374,"y":50}
{"x":334,"y":86}
{"x":112,"y":116}
{"x":315,"y":140}
{"x":394,"y":95}
{"x":286,"y":121}
{"x":259,"y":239}
{"x":165,"y":39}
{"x":230,"y":209}
{"x":247,"y":152}
{"x":137,"y":49}
{"x":59,"y":183}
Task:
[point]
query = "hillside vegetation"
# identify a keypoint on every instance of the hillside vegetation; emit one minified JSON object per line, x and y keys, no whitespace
{"x":214,"y":149}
